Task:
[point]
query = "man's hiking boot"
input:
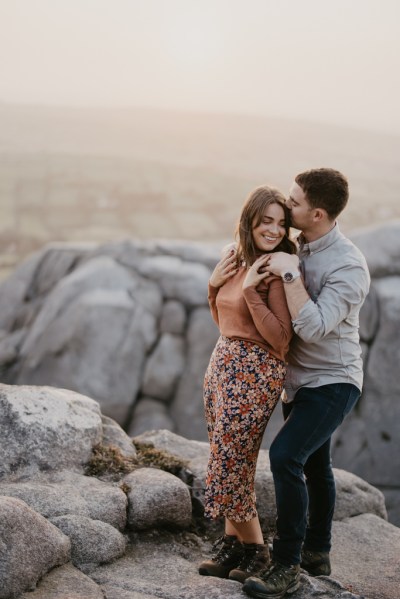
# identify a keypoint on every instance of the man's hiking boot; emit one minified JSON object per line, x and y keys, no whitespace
{"x":274,"y":583}
{"x":255,"y":559}
{"x":229,"y":553}
{"x":316,"y":563}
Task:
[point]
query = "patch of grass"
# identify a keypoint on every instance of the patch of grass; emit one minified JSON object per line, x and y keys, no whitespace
{"x":158,"y":458}
{"x":108,"y":459}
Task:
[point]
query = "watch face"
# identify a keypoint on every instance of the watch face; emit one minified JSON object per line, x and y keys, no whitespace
{"x":288,"y":277}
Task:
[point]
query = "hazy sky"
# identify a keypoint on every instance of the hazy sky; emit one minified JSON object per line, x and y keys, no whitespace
{"x":325,"y":60}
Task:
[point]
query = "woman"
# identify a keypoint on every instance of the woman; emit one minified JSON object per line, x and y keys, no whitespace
{"x":244,"y":379}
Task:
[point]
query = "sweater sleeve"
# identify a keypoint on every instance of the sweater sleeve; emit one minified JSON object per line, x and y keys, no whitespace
{"x":270,"y":313}
{"x":212,"y":302}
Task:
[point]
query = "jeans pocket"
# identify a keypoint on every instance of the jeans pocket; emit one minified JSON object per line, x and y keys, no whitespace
{"x":352,"y":398}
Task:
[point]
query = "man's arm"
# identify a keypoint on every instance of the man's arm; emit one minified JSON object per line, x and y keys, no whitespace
{"x":296,"y":293}
{"x":344,"y":288}
{"x":296,"y":296}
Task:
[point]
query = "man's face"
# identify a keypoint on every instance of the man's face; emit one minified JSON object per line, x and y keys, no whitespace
{"x":300,"y":209}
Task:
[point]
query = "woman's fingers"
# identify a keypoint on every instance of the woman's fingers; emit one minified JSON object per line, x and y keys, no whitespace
{"x":229,"y":259}
{"x":264,"y":259}
{"x":230,"y":271}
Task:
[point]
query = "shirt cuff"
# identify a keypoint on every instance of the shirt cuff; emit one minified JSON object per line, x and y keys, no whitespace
{"x":305,"y":316}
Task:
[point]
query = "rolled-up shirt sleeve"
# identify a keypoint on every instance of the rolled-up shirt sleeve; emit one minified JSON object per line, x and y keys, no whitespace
{"x":343,"y":290}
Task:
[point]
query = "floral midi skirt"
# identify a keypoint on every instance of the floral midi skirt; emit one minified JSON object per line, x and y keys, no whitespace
{"x":242,"y":385}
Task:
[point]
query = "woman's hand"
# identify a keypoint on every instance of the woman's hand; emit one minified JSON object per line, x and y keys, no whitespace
{"x":225,"y":269}
{"x":254,"y":277}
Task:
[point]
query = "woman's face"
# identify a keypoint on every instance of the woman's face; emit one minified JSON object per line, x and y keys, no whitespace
{"x":270,"y":232}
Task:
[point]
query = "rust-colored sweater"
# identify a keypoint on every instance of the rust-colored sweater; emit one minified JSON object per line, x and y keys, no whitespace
{"x":256,"y":314}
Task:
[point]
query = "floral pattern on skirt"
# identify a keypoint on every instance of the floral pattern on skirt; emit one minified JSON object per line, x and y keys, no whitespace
{"x":242,"y":385}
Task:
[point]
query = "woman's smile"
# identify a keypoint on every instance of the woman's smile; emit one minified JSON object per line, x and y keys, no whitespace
{"x":271,"y":230}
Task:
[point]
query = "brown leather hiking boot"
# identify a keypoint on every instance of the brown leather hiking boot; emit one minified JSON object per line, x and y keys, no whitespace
{"x":316,"y":563}
{"x":274,"y":583}
{"x":229,"y":552}
{"x":255,"y":559}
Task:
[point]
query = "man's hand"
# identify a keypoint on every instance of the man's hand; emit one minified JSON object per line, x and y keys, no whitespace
{"x":280,"y":262}
{"x":225,"y":269}
{"x":256,"y":272}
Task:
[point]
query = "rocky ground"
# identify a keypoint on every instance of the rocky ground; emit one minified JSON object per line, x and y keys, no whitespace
{"x":87,"y":514}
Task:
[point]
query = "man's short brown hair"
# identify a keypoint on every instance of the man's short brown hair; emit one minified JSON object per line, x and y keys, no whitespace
{"x":325,"y":188}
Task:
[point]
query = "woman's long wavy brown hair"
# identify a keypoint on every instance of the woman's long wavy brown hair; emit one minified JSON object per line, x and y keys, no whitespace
{"x":252,"y":215}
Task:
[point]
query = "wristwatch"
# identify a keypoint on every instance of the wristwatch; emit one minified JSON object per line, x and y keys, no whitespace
{"x":289,"y":276}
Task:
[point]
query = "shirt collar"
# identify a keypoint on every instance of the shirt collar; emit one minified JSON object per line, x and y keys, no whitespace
{"x":321,"y":243}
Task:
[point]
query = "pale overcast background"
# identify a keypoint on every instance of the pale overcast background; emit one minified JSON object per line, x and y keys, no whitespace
{"x":331,"y":61}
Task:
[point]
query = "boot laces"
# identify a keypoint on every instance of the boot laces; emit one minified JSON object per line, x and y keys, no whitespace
{"x":221,"y":548}
{"x":249,"y":560}
{"x":273,"y":572}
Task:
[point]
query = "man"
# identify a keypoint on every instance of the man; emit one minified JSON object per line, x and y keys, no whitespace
{"x":325,"y":287}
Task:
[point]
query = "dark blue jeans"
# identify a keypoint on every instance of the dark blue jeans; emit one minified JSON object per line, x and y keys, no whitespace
{"x":302,"y":469}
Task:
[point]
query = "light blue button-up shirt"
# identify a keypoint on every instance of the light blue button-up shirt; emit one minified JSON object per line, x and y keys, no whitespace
{"x":326,"y":347}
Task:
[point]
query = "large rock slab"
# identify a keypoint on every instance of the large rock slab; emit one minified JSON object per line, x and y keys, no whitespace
{"x":57,"y":260}
{"x":207,"y":253}
{"x":99,"y":316}
{"x":150,"y":414}
{"x":366,"y":556}
{"x":92,"y":541}
{"x":101,"y":273}
{"x":10,"y":346}
{"x":157,"y":498}
{"x":65,"y":582}
{"x":370,"y":433}
{"x":68,"y":493}
{"x":29,"y":547}
{"x":173,"y":318}
{"x":179,"y":280}
{"x":42,"y":428}
{"x":381,"y":247}
{"x":175,"y":559}
{"x":187,"y":408}
{"x":370,"y":315}
{"x":15,"y":291}
{"x":164,"y":367}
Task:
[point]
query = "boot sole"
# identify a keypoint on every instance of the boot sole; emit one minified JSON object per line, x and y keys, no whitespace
{"x":204,"y":572}
{"x":315,"y":571}
{"x":261,"y":595}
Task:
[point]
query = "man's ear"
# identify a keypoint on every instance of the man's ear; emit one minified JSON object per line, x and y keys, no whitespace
{"x":319,"y":214}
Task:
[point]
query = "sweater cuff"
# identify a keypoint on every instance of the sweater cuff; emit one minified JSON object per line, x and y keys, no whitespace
{"x":212,"y":291}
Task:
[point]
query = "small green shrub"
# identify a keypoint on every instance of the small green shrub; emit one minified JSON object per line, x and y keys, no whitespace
{"x":108,"y":459}
{"x":158,"y":458}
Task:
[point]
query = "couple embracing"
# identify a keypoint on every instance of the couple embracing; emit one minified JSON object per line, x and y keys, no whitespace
{"x":288,"y":319}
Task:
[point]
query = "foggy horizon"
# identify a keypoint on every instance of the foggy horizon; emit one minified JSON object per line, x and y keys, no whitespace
{"x":205,"y":112}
